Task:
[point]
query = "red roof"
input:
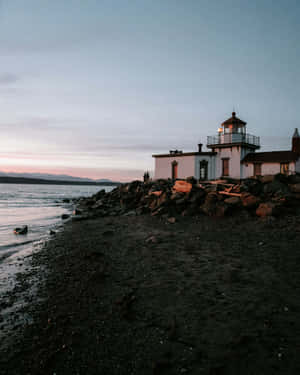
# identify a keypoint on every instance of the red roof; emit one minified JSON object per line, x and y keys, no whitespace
{"x":271,"y":157}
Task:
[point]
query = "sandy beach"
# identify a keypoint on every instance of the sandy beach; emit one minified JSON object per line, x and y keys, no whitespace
{"x":139,"y":295}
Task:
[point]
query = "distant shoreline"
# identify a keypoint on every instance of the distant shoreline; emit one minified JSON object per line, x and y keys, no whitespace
{"x":40,"y":181}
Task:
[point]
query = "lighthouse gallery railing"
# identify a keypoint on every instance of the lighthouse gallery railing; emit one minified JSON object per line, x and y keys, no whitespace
{"x":233,"y":138}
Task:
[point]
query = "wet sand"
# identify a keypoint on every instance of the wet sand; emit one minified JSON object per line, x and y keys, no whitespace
{"x":137,"y":295}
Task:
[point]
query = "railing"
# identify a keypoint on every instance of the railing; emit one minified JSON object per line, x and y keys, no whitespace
{"x":233,"y":138}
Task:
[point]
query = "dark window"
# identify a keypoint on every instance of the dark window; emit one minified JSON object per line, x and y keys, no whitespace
{"x":174,"y":170}
{"x":257,"y":169}
{"x":225,"y":167}
{"x":203,"y":170}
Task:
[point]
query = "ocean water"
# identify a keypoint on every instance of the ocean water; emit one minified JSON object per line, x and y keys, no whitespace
{"x":40,"y":208}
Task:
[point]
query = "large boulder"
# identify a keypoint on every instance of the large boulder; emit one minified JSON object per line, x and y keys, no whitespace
{"x":221,"y":209}
{"x":210,"y":204}
{"x":158,"y":200}
{"x":196,"y":196}
{"x":294,"y":178}
{"x":175,"y":196}
{"x":267,"y":178}
{"x":249,"y":200}
{"x":163,"y":199}
{"x":182,"y":187}
{"x":267,"y":209}
{"x":99,"y":195}
{"x":233,"y":201}
{"x":135,"y":186}
{"x":276,"y":187}
{"x":191,"y":180}
{"x":251,"y":185}
{"x":21,"y":230}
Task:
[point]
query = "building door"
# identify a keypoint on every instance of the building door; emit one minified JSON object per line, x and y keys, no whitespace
{"x":225,"y":167}
{"x":174,"y":170}
{"x":257,"y":169}
{"x":203,"y":175}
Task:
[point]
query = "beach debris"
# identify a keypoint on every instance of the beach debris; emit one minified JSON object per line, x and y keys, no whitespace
{"x":21,"y":230}
{"x":230,"y":194}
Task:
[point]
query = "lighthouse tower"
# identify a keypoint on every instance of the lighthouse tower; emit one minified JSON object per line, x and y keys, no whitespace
{"x":232,"y":144}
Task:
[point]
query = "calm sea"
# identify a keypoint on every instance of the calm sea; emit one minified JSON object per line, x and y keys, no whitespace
{"x":38,"y":206}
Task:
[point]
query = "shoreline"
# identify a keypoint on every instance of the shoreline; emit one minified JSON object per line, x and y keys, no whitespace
{"x":138,"y":295}
{"x":41,"y":181}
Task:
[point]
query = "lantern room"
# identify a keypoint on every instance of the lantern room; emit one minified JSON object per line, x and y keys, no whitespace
{"x":233,"y":125}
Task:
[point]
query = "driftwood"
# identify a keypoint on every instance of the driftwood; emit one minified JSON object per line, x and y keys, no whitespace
{"x":230,"y":194}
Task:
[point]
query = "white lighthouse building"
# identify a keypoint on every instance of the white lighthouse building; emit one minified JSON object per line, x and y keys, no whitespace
{"x":232,"y":154}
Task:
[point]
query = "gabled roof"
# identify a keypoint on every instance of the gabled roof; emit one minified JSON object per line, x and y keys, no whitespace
{"x":271,"y":157}
{"x":234,"y":121}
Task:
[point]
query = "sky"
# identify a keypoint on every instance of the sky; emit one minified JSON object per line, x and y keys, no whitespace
{"x":93,"y":88}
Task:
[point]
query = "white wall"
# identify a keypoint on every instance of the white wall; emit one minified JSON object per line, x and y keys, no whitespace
{"x":248,"y":170}
{"x":270,"y":168}
{"x":211,"y":166}
{"x":163,"y":166}
{"x":292,"y":167}
{"x":266,"y":168}
{"x":234,"y":155}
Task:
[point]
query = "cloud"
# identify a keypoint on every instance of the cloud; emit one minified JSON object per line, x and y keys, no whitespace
{"x":8,"y":78}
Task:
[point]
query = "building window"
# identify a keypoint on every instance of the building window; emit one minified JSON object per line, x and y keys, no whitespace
{"x":174,"y":170}
{"x":284,"y":168}
{"x":225,"y":167}
{"x":257,"y":169}
{"x":203,"y":175}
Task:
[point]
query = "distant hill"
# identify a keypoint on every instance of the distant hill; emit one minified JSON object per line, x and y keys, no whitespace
{"x":103,"y":180}
{"x":44,"y":178}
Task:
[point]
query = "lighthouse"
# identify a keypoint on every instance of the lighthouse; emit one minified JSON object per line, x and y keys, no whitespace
{"x":231,"y":145}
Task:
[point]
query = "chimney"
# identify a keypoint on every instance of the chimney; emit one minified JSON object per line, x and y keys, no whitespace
{"x":200,"y":147}
{"x":296,"y":142}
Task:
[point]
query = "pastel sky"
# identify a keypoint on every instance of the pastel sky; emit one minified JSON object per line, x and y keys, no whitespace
{"x":94,"y":87}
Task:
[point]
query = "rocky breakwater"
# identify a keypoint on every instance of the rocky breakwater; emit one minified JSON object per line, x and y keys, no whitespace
{"x":265,"y":197}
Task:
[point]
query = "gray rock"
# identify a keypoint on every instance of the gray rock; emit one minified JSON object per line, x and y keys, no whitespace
{"x":21,"y":230}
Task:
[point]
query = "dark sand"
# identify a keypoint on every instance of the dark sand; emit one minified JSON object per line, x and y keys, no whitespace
{"x":134,"y":295}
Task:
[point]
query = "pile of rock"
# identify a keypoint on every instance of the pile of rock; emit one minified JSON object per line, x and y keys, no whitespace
{"x":264,"y":196}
